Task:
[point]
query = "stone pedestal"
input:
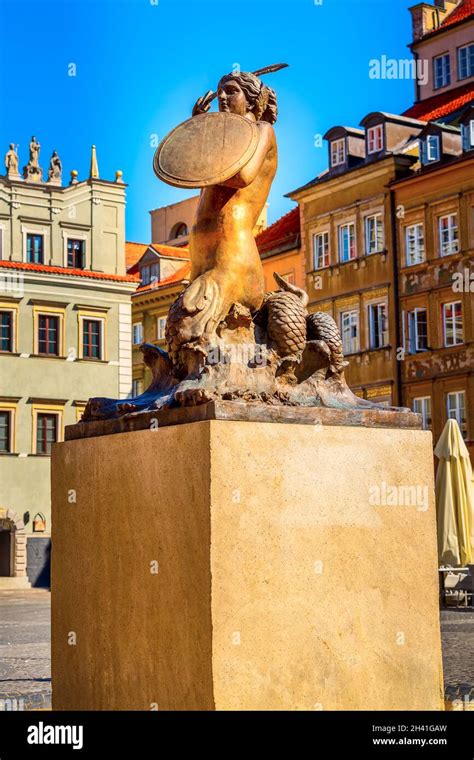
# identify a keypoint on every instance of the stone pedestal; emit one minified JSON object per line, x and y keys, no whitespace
{"x":245,"y":565}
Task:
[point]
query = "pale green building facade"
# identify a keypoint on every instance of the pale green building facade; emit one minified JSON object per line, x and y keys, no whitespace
{"x":65,"y":335}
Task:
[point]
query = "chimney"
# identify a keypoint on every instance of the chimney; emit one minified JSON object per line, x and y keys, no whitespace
{"x":426,"y":17}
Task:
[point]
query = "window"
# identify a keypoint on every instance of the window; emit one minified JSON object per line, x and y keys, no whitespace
{"x":378,"y":332}
{"x":1,"y":243}
{"x":422,"y":405}
{"x":160,"y":328}
{"x":373,"y":234}
{"x":414,"y":244}
{"x":456,"y":409}
{"x":338,"y":152}
{"x":181,"y":230}
{"x":92,"y":339}
{"x":347,"y":242}
{"x":448,"y":235}
{"x":150,"y":273}
{"x":137,"y":388}
{"x":154,"y":272}
{"x":48,"y":335}
{"x":452,"y":323}
{"x":350,"y":331}
{"x":417,"y":331}
{"x":76,"y":253}
{"x":46,"y":432}
{"x":430,"y":149}
{"x":466,"y":61}
{"x":6,"y":331}
{"x":137,"y":333}
{"x":5,"y":432}
{"x":467,"y":133}
{"x":34,"y":248}
{"x":442,"y":71}
{"x":321,"y":250}
{"x":375,"y":139}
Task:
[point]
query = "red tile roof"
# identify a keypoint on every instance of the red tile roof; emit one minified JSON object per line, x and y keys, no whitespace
{"x":69,"y":271}
{"x":137,"y":250}
{"x":284,"y":230}
{"x":133,"y":252}
{"x":442,"y":105}
{"x":181,"y":274}
{"x":462,"y":12}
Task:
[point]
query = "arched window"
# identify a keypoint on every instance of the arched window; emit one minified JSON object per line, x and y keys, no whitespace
{"x":179,"y":230}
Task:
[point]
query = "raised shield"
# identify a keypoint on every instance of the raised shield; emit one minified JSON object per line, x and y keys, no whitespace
{"x":206,"y":150}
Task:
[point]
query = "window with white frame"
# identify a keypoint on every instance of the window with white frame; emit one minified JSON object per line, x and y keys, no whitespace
{"x":350,"y":331}
{"x":422,"y":405}
{"x":378,"y":325}
{"x":137,"y":333}
{"x":430,"y":150}
{"x":347,"y":242}
{"x":456,"y":409}
{"x":417,"y":330}
{"x":466,"y":61}
{"x":375,"y":139}
{"x":452,"y":323}
{"x":448,"y":234}
{"x":467,"y":134}
{"x":338,"y":152}
{"x":442,"y":70}
{"x":321,"y":250}
{"x":160,"y":328}
{"x":373,"y":234}
{"x":414,"y":244}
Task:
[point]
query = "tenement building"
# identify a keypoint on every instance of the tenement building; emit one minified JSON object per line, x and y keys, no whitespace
{"x":435,"y":233}
{"x":65,"y":335}
{"x":347,"y":239}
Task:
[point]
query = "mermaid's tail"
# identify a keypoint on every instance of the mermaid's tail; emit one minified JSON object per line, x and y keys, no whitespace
{"x":194,"y":316}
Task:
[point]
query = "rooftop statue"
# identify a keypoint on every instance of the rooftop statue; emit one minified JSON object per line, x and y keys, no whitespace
{"x":227,"y":338}
{"x":55,"y":169}
{"x":11,"y":162}
{"x":33,"y":172}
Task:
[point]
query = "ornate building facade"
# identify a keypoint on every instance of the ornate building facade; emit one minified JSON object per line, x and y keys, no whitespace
{"x":348,"y":245}
{"x":435,"y":235}
{"x":65,"y":334}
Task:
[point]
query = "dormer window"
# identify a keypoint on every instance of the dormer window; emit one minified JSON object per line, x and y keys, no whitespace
{"x":430,"y":149}
{"x":149,"y":273}
{"x":338,"y":152}
{"x":375,"y":139}
{"x":467,"y":132}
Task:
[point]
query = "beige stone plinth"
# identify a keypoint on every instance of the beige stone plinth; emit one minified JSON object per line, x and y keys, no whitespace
{"x":279,"y":584}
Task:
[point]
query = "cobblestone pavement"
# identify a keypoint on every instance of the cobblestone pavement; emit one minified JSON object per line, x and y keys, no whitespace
{"x":457,"y":635}
{"x":25,"y":646}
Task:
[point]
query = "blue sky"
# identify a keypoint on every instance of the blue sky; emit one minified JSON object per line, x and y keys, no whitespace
{"x":141,"y":64}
